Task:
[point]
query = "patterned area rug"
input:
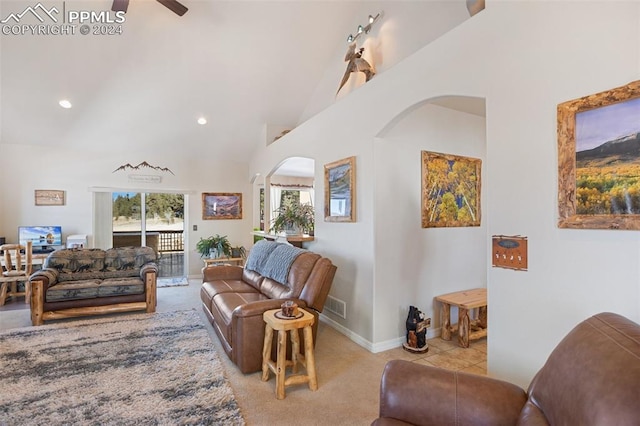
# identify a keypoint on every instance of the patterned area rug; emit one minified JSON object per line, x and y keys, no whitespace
{"x":140,"y":369}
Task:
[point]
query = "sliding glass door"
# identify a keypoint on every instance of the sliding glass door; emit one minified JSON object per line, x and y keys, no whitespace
{"x":155,"y":220}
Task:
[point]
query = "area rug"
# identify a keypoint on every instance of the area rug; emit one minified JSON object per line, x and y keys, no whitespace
{"x":172,"y":282}
{"x":141,"y":369}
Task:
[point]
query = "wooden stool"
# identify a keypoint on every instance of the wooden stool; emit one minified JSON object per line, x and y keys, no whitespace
{"x":274,"y":321}
{"x":464,"y":300}
{"x":14,"y":269}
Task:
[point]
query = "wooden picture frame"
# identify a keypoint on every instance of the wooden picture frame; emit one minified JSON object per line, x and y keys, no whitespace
{"x":49,"y":197}
{"x":340,"y":190}
{"x":599,"y":160}
{"x":221,"y":205}
{"x":451,"y":187}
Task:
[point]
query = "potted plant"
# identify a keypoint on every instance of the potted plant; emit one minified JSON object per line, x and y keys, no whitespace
{"x":214,"y":246}
{"x":239,"y":251}
{"x":293,"y":218}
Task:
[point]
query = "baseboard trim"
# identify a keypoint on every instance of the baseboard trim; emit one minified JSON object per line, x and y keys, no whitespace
{"x":356,"y":338}
{"x":372,"y":347}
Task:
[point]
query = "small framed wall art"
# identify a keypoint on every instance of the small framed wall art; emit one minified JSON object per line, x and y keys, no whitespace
{"x":49,"y":197}
{"x":340,"y":190}
{"x":221,"y":205}
{"x":509,"y":252}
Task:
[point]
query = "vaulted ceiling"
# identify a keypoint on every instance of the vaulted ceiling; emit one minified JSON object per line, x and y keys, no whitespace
{"x":240,"y":64}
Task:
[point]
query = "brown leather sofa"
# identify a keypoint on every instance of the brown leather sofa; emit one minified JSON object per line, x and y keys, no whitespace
{"x":591,"y":378}
{"x":234,"y":298}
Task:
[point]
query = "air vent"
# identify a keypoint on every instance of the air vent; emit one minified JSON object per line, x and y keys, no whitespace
{"x":336,"y":306}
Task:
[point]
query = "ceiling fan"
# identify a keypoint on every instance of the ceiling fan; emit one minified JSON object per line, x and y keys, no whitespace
{"x":173,"y":5}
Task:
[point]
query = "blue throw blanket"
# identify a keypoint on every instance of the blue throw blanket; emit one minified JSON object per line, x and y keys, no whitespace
{"x":272,"y":260}
{"x":260,"y":254}
{"x":280,"y":261}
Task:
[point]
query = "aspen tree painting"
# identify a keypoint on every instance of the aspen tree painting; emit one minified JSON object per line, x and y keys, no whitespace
{"x":450,"y":190}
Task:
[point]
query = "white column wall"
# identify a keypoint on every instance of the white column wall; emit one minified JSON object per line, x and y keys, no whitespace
{"x":572,"y":274}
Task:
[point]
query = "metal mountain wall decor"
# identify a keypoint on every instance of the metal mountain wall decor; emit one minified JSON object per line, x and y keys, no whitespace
{"x":143,"y":165}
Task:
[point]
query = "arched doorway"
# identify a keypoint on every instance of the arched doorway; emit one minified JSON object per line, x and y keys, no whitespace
{"x":292,"y":180}
{"x":432,"y":261}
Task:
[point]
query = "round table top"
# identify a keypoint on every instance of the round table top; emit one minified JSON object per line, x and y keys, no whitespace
{"x":277,"y":321}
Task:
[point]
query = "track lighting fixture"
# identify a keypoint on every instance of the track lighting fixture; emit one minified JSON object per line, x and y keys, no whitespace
{"x":365,"y":29}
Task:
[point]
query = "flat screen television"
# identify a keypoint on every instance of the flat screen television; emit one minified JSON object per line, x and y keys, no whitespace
{"x":43,"y":238}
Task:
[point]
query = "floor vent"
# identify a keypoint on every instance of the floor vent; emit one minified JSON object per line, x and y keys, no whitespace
{"x":336,"y":306}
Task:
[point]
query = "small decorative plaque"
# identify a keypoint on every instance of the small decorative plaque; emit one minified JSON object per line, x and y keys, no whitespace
{"x":509,"y":252}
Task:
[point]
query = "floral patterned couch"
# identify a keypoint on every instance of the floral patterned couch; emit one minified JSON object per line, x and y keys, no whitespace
{"x":80,"y":282}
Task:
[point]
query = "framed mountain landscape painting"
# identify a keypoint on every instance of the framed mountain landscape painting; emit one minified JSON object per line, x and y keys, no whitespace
{"x":221,"y":205}
{"x":340,"y":190}
{"x":599,"y":160}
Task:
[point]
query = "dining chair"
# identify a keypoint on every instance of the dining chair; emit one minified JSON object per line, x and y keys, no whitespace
{"x":16,"y":267}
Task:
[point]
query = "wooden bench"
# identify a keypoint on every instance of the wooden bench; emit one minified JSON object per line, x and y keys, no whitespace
{"x":465,"y":301}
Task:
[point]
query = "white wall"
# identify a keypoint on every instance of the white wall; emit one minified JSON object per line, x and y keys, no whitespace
{"x":572,"y":274}
{"x":404,"y":28}
{"x":76,"y":172}
{"x":524,"y":58}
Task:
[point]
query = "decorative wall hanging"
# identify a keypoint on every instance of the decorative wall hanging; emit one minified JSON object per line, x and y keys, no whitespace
{"x":509,"y":252}
{"x":450,"y":190}
{"x":142,"y":165}
{"x":48,"y":197}
{"x":599,"y":160}
{"x":221,"y":205}
{"x":356,"y":63}
{"x":340,"y":191}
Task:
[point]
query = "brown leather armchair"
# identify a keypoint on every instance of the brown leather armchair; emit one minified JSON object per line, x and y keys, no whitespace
{"x":591,"y":378}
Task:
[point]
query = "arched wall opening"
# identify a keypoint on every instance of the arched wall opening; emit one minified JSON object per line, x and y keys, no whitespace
{"x":414,"y":264}
{"x":291,"y":174}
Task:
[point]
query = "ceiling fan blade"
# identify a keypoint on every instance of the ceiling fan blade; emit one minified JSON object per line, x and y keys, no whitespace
{"x":120,"y":5}
{"x":174,"y":6}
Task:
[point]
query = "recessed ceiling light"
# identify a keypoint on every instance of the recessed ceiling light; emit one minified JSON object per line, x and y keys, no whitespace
{"x":202,"y":121}
{"x":65,"y":104}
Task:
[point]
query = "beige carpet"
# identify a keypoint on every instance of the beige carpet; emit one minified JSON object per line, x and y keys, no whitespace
{"x":133,"y":369}
{"x":348,"y":375}
{"x":348,"y":388}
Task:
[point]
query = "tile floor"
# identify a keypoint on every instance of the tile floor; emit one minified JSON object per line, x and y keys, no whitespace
{"x":447,"y":354}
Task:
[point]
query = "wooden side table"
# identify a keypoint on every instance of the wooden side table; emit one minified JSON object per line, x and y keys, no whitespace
{"x":465,"y":301}
{"x":273,"y":321}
